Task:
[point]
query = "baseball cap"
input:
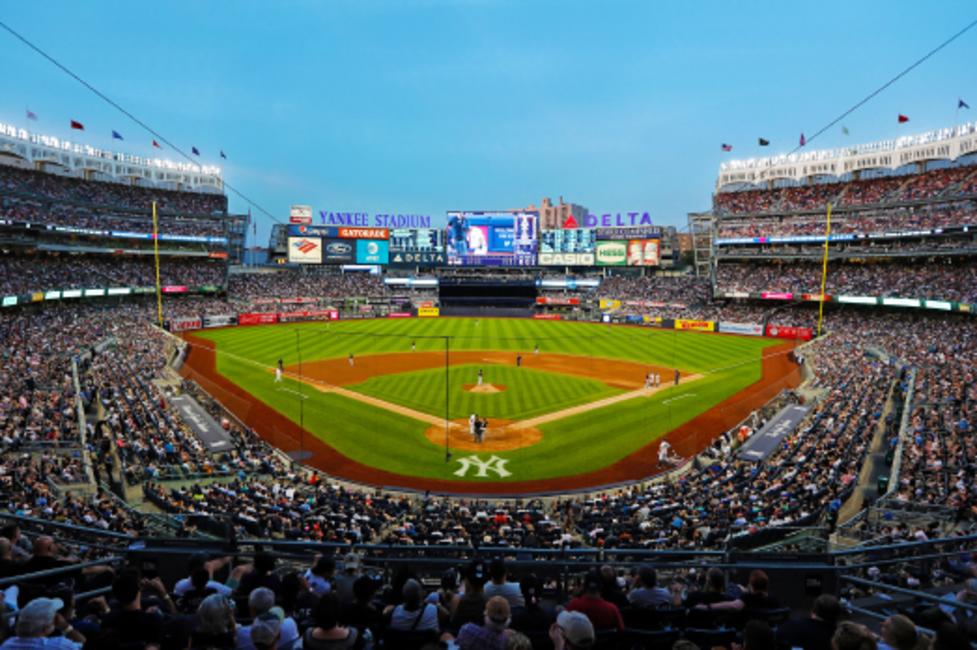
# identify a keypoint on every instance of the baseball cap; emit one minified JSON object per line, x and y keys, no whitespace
{"x":37,"y":615}
{"x":265,"y":630}
{"x":351,"y":562}
{"x":476,"y":571}
{"x":577,"y":628}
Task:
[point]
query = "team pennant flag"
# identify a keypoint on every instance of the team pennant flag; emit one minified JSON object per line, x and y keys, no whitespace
{"x":31,"y":115}
{"x":727,"y":147}
{"x":844,"y":130}
{"x":116,"y":135}
{"x":223,"y":155}
{"x":803,"y":141}
{"x":196,"y":152}
{"x":962,"y":104}
{"x":156,"y":144}
{"x":903,"y":118}
{"x":75,"y":124}
{"x":763,"y":142}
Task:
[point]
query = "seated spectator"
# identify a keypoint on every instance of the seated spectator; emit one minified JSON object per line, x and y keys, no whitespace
{"x":852,"y":636}
{"x":714,"y":591}
{"x":37,"y":621}
{"x":602,"y":614}
{"x":414,"y":615}
{"x":572,"y":631}
{"x":645,"y":591}
{"x":610,"y":587}
{"x":754,"y":596}
{"x":899,"y":633}
{"x":265,"y":634}
{"x":498,"y":585}
{"x":493,"y":632}
{"x":757,"y":635}
{"x":215,"y":624}
{"x":361,"y":613}
{"x":261,"y":606}
{"x":327,"y":633}
{"x":815,"y":632}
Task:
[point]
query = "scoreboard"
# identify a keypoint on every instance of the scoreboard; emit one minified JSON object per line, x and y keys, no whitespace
{"x":416,"y":240}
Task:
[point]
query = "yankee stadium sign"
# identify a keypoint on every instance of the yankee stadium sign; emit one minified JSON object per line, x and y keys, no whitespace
{"x":378,"y":220}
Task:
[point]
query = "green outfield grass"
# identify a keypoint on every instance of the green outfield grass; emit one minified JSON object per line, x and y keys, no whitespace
{"x":528,"y":392}
{"x":574,"y":445}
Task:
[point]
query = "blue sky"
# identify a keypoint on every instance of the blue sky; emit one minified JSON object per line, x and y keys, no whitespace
{"x":420,"y":106}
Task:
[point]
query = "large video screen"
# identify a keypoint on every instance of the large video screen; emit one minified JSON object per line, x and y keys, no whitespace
{"x":491,"y":238}
{"x":567,"y":247}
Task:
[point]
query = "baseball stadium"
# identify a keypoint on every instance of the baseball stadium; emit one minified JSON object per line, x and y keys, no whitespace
{"x":251,"y":398}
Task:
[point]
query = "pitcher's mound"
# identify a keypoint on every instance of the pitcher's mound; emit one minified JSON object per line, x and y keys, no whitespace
{"x":484,"y":388}
{"x":499,"y":436}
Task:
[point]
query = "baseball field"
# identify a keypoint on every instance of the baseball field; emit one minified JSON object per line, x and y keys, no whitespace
{"x":567,"y":405}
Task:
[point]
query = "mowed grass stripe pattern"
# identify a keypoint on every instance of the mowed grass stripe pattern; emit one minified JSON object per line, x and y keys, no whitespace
{"x":528,"y":392}
{"x":575,"y":445}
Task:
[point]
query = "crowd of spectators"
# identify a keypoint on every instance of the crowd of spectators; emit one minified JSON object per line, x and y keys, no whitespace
{"x":322,"y":284}
{"x":887,"y":219}
{"x":932,"y":184}
{"x":686,"y":290}
{"x":940,"y":279}
{"x":69,"y":189}
{"x":22,"y":274}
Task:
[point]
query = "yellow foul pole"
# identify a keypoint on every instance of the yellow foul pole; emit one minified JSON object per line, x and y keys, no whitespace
{"x":824,"y":270}
{"x":159,"y":291}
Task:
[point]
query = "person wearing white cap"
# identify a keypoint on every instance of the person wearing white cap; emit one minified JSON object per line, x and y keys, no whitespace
{"x":571,"y":631}
{"x":265,"y":633}
{"x":37,"y":621}
{"x":261,"y":605}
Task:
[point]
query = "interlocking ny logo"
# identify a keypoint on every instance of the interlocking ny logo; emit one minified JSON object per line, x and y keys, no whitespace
{"x":493,"y":464}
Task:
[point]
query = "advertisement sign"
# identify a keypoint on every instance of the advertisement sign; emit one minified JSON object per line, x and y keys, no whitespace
{"x":257,"y":318}
{"x":338,"y":251}
{"x":748,"y":329}
{"x":322,"y":314}
{"x":695,"y":325}
{"x":305,"y":250}
{"x":643,"y":252}
{"x":611,"y":253}
{"x":491,"y":238}
{"x":638,"y":232}
{"x":399,"y":314}
{"x":417,"y":259}
{"x":562,"y":302}
{"x":300,"y":214}
{"x":176,"y":288}
{"x":776,"y":295}
{"x":184,"y":324}
{"x":788,"y":332}
{"x":219,"y":320}
{"x":369,"y":251}
{"x":547,"y":317}
{"x":428,"y":312}
{"x":566,"y":259}
{"x":609,"y":303}
{"x":364,"y":233}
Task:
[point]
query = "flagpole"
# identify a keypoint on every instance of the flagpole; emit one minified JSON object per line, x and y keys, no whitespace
{"x":159,"y":292}
{"x":824,"y":270}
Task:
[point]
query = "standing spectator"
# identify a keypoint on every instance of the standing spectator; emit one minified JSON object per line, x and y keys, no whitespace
{"x":215,"y":623}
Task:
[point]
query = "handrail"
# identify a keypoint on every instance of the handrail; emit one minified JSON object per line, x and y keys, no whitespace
{"x":82,"y":424}
{"x":903,"y":433}
{"x":881,"y":586}
{"x":48,"y":573}
{"x":69,"y":527}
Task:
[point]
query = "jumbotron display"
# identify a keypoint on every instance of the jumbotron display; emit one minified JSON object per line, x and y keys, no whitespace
{"x":491,"y":238}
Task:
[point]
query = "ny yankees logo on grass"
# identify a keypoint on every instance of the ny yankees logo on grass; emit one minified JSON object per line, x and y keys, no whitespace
{"x":493,"y":464}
